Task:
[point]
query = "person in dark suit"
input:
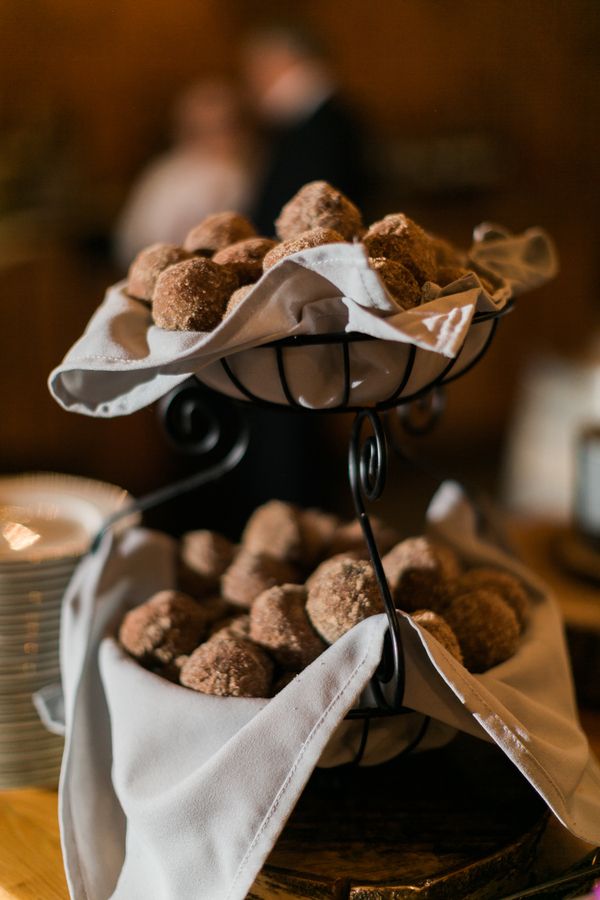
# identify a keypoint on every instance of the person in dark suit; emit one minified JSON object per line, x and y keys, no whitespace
{"x":311,"y":134}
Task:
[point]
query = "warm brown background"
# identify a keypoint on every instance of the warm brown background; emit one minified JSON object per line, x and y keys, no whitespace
{"x":85,"y":90}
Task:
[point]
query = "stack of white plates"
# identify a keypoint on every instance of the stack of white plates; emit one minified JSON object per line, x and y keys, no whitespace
{"x":47,"y":523}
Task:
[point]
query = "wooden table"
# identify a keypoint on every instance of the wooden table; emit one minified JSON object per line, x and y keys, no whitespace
{"x":30,"y":857}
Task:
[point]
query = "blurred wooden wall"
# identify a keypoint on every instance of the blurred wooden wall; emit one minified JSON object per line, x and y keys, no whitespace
{"x":525,"y":73}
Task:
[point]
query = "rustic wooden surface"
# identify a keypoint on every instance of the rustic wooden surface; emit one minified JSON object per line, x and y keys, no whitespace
{"x":400,"y":827}
{"x":31,"y":864}
{"x":30,"y":858}
{"x":426,"y":826}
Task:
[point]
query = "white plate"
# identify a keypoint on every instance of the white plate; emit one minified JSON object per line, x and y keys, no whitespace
{"x":48,"y":637}
{"x":45,"y":635}
{"x":32,"y":577}
{"x":28,"y":607}
{"x":31,"y":605}
{"x":44,"y":568}
{"x":49,"y":620}
{"x":29,"y":643}
{"x":27,"y":664}
{"x":29,"y":631}
{"x":14,"y":664}
{"x":49,"y":516}
{"x":30,"y":681}
{"x":31,"y":600}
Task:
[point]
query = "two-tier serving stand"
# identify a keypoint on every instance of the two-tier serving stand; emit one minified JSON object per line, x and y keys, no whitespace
{"x":218,"y":434}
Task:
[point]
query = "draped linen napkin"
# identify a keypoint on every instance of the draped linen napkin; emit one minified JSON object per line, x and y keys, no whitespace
{"x":123,"y":362}
{"x":167,"y":793}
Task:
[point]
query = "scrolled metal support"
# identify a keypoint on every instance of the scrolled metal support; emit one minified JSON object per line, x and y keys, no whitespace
{"x":367,"y":469}
{"x":194,"y":424}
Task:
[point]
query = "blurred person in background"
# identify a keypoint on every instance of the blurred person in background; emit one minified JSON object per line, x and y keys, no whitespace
{"x":310,"y":133}
{"x":209,"y":168}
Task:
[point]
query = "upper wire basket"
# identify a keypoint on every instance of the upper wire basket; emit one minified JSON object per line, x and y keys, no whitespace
{"x":345,"y":372}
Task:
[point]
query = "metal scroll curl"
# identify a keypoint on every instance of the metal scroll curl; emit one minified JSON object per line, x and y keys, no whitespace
{"x":197,"y":422}
{"x":367,"y":469}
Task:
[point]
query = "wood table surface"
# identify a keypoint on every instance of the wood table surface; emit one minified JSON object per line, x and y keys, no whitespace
{"x":30,"y":857}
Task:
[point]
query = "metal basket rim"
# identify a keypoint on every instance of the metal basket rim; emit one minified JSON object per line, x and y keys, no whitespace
{"x":343,"y":337}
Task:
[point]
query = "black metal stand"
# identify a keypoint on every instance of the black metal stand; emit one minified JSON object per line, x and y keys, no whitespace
{"x":194,"y":427}
{"x":219,"y":436}
{"x":367,"y":469}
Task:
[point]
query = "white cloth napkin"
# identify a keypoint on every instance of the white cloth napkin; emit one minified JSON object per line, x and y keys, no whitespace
{"x":123,"y":362}
{"x":170,"y":794}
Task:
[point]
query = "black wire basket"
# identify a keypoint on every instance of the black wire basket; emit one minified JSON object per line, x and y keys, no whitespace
{"x":345,"y":372}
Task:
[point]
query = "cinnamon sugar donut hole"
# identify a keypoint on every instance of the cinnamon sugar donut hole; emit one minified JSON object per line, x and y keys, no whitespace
{"x":275,"y":530}
{"x":236,"y":298}
{"x":203,"y":557}
{"x":218,"y":231}
{"x":343,"y":597}
{"x":319,"y":205}
{"x":399,"y":281}
{"x":228,"y":667}
{"x":252,"y":573}
{"x":279,"y":623}
{"x":232,"y":626}
{"x":316,"y":237}
{"x":317,"y":529}
{"x":486,"y":628}
{"x":349,"y":537}
{"x":245,"y":258}
{"x":437,"y":626}
{"x":192,"y":295}
{"x":166,"y":626}
{"x":509,"y":588}
{"x":418,"y":570}
{"x":399,"y":238}
{"x":331,"y":563}
{"x":147,"y":266}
